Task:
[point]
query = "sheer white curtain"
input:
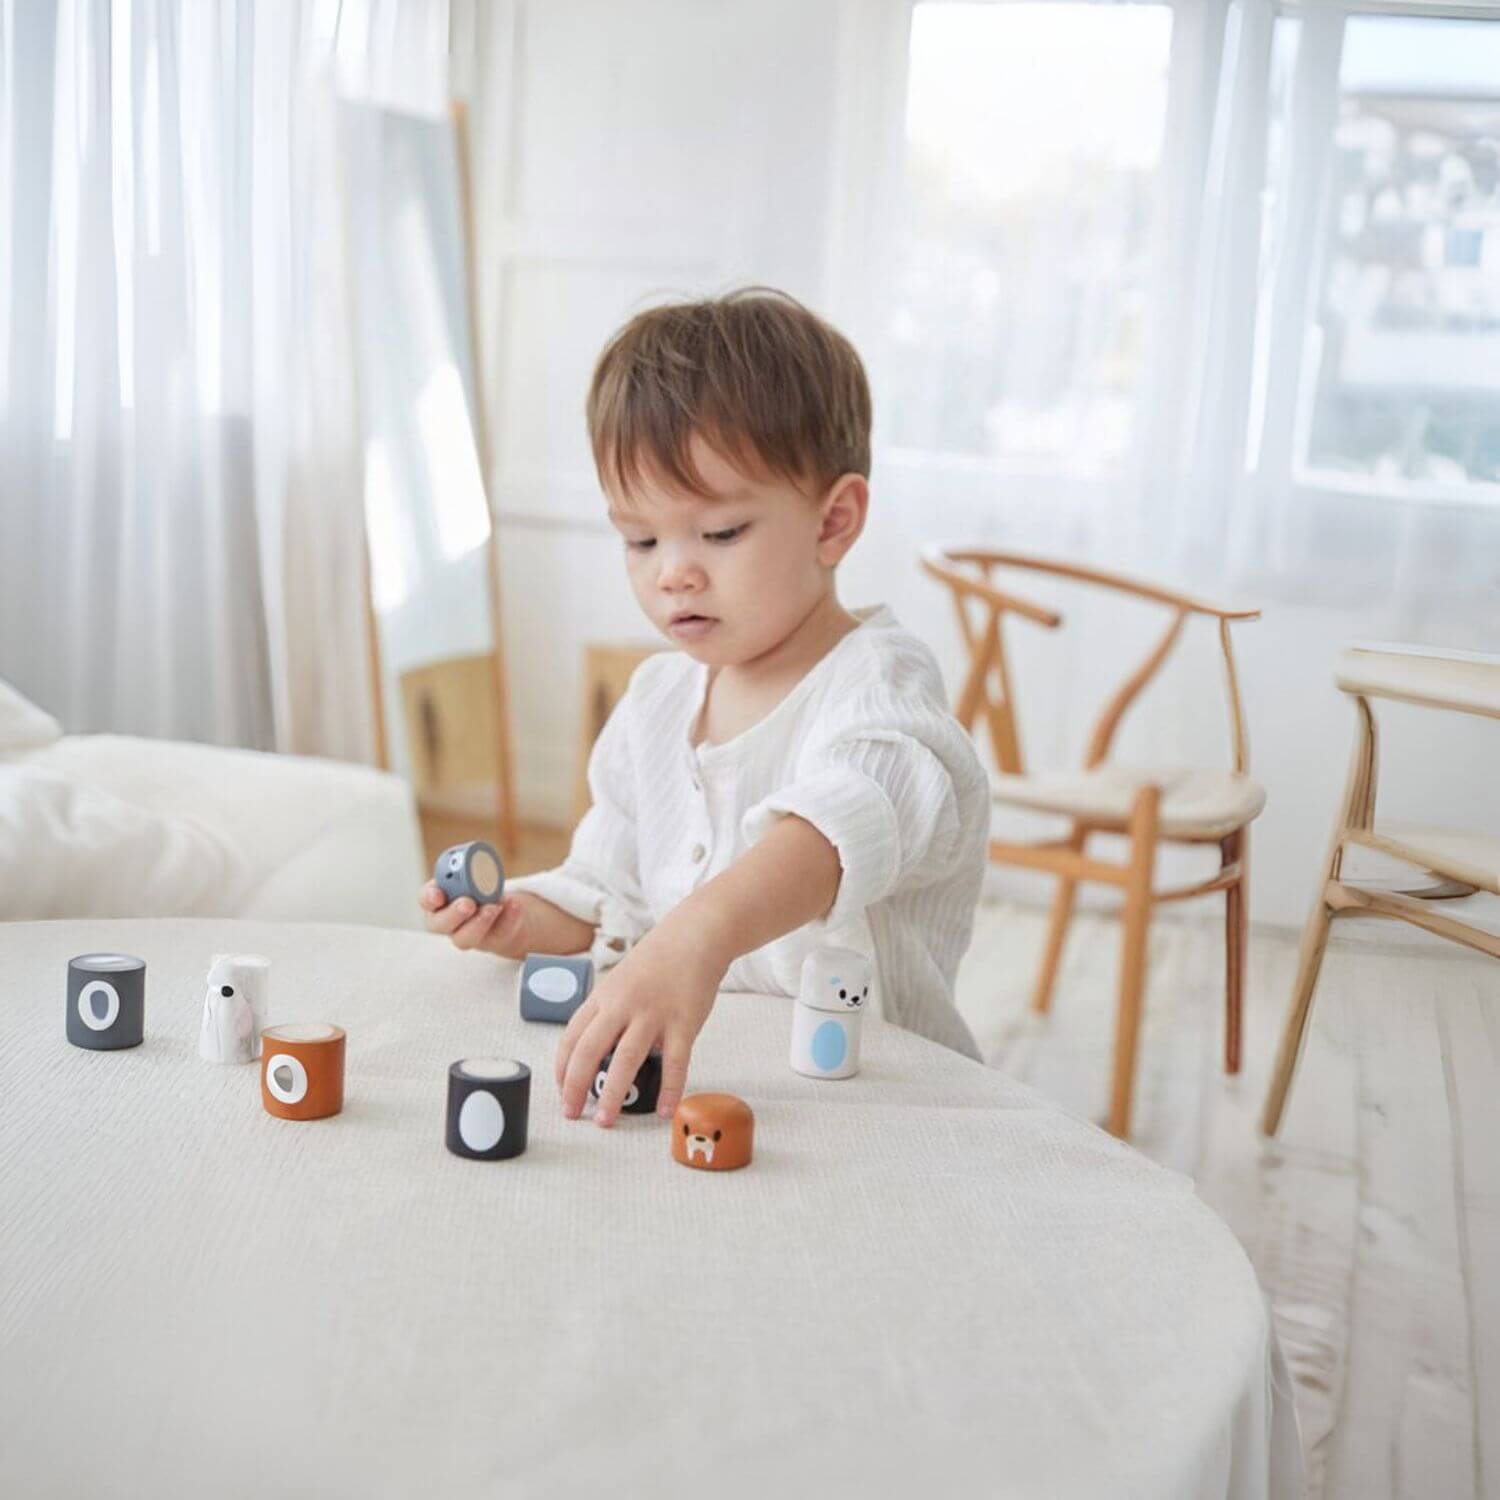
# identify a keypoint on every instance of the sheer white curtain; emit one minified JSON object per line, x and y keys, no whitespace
{"x":1256,"y":353}
{"x":1342,"y":447}
{"x":181,"y":543}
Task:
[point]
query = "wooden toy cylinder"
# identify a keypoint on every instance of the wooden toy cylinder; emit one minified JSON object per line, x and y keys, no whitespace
{"x":234,"y":1008}
{"x":825,"y":1044}
{"x":473,"y":870}
{"x":644,"y":1091}
{"x":713,"y":1132}
{"x":552,"y":986}
{"x":106,"y":1001}
{"x":302,"y":1070}
{"x":489,"y":1102}
{"x":835,"y":979}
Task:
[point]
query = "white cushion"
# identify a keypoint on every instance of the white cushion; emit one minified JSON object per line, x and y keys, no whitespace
{"x":108,"y":825}
{"x":1461,"y":853}
{"x":1466,"y":681}
{"x":23,"y":726}
{"x":1195,"y":804}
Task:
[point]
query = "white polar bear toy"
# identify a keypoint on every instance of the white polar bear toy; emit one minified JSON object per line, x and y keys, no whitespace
{"x":829,"y":1014}
{"x":234,"y":1008}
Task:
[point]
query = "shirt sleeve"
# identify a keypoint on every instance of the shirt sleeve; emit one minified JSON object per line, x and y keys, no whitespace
{"x":599,"y":882}
{"x":887,"y":799}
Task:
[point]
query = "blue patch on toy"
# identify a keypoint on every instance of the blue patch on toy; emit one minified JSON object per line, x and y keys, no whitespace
{"x":829,"y":1046}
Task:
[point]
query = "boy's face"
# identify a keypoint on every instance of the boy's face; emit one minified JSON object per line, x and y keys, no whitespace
{"x":728,"y":578}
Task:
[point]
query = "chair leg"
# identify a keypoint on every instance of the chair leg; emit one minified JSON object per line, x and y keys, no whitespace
{"x":1356,"y":811}
{"x":1236,"y":931}
{"x":1057,"y":934}
{"x":1137,"y":921}
{"x":1309,"y":962}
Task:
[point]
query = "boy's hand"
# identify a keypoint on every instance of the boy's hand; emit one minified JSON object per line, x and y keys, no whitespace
{"x":659,"y":994}
{"x":502,"y":927}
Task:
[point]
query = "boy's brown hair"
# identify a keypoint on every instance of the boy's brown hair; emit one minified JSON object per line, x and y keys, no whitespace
{"x":758,"y":376}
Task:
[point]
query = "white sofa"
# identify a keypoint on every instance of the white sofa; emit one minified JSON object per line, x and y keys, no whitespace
{"x":106,"y":825}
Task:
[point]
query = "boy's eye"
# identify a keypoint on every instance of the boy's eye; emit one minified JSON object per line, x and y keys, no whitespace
{"x":726,"y":536}
{"x":640,"y":544}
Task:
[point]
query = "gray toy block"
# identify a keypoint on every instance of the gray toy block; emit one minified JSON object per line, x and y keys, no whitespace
{"x":553,"y":986}
{"x":473,"y":870}
{"x":106,"y":1001}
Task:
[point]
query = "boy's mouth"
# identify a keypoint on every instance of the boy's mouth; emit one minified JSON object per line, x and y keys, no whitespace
{"x":690,"y":626}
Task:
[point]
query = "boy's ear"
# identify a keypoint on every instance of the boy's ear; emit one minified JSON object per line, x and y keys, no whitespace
{"x":843,"y":511}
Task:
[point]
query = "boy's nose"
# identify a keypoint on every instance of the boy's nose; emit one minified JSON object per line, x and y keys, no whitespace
{"x":679,"y":575}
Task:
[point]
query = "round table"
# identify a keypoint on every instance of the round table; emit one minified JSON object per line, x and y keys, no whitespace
{"x":931,"y":1280}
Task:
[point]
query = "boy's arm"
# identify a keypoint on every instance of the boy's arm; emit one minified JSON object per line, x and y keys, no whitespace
{"x":662,"y":994}
{"x":877,"y":806}
{"x":788,"y":878}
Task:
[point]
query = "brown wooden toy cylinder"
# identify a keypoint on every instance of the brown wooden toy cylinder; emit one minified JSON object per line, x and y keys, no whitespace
{"x":302,"y":1070}
{"x":714,"y":1132}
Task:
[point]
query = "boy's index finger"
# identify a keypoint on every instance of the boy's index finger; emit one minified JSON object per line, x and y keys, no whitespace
{"x":630,"y":1052}
{"x":577,"y":1024}
{"x":589,"y":1051}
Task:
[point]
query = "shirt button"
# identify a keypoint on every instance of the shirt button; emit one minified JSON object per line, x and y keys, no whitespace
{"x":698,"y":851}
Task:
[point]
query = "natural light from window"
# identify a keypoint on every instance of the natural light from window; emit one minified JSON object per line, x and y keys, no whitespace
{"x":1033,"y":135}
{"x":1403,"y":361}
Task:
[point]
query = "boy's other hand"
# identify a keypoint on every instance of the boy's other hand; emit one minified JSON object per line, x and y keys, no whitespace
{"x":658,"y":995}
{"x":501,"y":927}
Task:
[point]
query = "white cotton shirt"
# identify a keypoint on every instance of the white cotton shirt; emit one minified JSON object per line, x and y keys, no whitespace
{"x":865,"y":749}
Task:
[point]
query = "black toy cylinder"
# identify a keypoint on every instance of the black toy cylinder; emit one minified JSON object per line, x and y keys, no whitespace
{"x":489,"y":1101}
{"x":644,"y":1091}
{"x":106,"y":1001}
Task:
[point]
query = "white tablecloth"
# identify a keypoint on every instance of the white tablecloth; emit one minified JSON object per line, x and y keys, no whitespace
{"x":930,"y":1282}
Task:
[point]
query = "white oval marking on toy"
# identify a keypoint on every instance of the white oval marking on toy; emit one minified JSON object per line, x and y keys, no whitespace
{"x":481,"y":1121}
{"x":700,"y":1145}
{"x":86,"y":1012}
{"x":555,"y":985}
{"x":107,"y":961}
{"x":490,"y":1067}
{"x":306,"y":1031}
{"x":285,"y":1076}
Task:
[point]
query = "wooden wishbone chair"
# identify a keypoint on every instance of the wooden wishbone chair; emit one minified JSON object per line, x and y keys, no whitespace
{"x":1176,"y":804}
{"x":1455,"y":862}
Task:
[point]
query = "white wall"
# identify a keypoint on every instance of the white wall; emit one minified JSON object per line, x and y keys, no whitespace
{"x":623,"y":153}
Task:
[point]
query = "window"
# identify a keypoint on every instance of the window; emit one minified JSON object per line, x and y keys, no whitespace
{"x":1033,"y":135}
{"x":1404,"y":347}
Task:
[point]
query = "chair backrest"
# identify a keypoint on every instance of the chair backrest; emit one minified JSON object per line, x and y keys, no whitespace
{"x":987,"y":688}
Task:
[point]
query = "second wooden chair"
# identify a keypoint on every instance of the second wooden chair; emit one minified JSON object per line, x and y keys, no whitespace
{"x":1196,"y":806}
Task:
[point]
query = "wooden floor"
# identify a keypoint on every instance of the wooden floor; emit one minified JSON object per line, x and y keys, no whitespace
{"x":1373,"y":1221}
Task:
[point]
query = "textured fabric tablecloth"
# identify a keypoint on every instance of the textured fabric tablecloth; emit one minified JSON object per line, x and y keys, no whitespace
{"x":930,"y":1282}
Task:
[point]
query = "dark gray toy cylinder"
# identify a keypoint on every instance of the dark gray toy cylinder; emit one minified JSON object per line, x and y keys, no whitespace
{"x":106,"y":1001}
{"x":489,"y":1101}
{"x":473,"y":870}
{"x":647,"y":1085}
{"x":553,"y":986}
